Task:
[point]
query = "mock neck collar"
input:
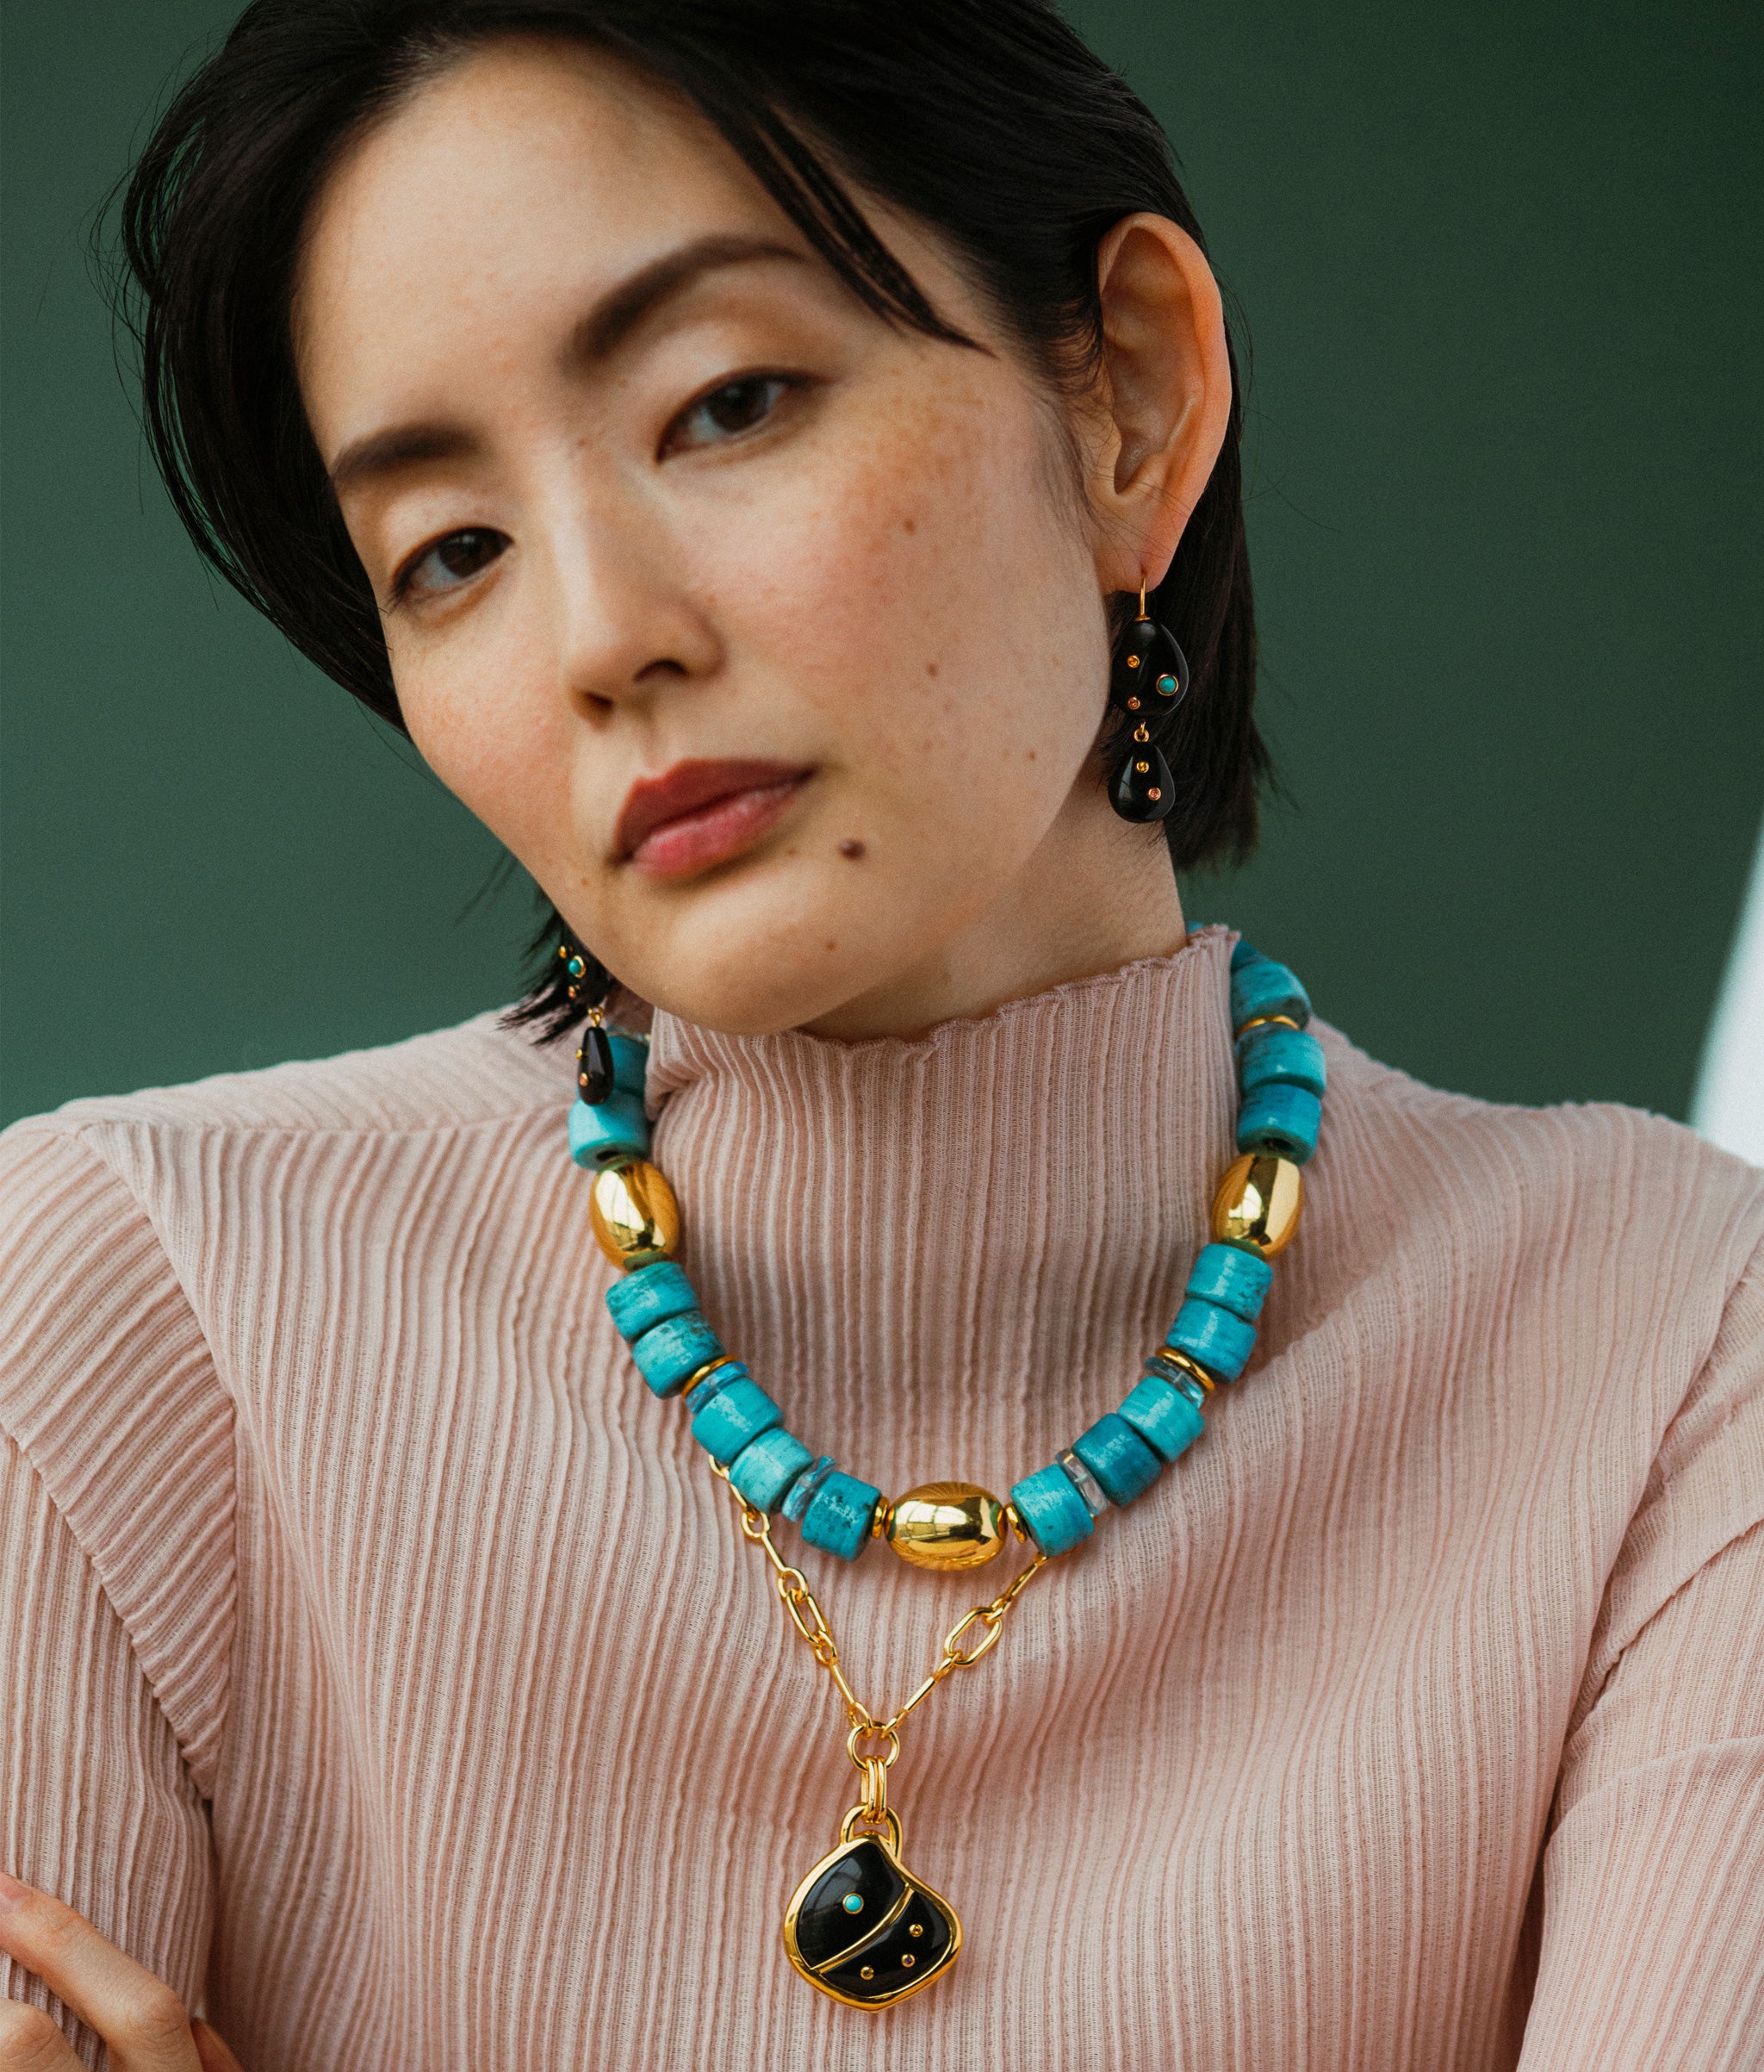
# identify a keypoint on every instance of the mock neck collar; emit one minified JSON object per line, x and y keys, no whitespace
{"x":905,"y":1237}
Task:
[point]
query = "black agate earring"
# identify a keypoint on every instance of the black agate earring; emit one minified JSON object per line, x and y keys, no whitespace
{"x":1149,"y":679}
{"x":587,"y":976}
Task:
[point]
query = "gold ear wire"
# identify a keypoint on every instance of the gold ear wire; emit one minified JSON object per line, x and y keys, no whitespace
{"x":1142,"y":596}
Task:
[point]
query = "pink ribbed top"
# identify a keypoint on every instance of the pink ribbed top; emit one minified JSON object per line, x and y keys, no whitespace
{"x":382,"y":1664}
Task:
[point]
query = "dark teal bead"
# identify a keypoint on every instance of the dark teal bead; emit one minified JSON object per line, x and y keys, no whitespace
{"x":714,"y":1383}
{"x":597,"y":1134}
{"x":1164,"y":1417}
{"x":766,"y":1467}
{"x":669,"y":1355}
{"x":838,"y":1521}
{"x":1054,"y":1515}
{"x":1284,"y":1120}
{"x":733,"y":1417}
{"x":1124,"y":1466}
{"x":1243,"y":953}
{"x":631,"y":1062}
{"x":1221,"y":1342}
{"x":1265,"y":987}
{"x":649,"y":1295}
{"x":1273,"y":1056}
{"x":1237,"y":1280}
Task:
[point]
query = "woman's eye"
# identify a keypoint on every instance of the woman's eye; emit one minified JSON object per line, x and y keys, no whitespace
{"x":451,"y":562}
{"x":727,"y":412}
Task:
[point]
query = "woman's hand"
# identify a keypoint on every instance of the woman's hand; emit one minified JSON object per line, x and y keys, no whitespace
{"x":140,"y":2019}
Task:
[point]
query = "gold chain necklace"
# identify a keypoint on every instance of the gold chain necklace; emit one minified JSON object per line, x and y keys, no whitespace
{"x":860,"y":1926}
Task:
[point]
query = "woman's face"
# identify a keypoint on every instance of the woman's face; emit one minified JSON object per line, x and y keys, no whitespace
{"x":645,"y":493}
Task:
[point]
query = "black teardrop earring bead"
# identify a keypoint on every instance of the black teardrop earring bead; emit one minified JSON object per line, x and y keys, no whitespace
{"x":1150,"y":673}
{"x":1143,"y":789}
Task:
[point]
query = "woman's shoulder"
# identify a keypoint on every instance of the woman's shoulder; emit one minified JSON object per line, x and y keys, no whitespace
{"x":1596,"y":1194}
{"x":475,"y":1071}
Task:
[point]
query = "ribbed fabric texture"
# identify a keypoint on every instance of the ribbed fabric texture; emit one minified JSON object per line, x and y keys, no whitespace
{"x":383,"y":1666}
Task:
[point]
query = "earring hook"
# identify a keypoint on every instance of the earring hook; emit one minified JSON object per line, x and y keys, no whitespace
{"x":1142,"y":596}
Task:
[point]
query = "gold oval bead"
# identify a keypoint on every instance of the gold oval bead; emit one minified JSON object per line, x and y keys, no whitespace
{"x":1258,"y":1202}
{"x":633,"y":1212}
{"x":947,"y":1525}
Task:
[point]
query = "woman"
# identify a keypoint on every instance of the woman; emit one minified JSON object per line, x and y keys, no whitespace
{"x":749,"y":447}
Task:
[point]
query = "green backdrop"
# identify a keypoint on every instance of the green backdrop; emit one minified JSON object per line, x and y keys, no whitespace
{"x":1500,"y":266}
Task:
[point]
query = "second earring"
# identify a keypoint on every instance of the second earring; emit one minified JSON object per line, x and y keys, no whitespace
{"x":1149,"y":678}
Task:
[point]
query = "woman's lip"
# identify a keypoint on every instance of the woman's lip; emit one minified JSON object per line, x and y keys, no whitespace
{"x":712,"y":833}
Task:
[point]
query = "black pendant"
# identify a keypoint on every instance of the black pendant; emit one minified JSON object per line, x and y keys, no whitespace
{"x":1150,"y":673}
{"x":1143,"y":789}
{"x":862,"y":1928}
{"x":593,"y":1065}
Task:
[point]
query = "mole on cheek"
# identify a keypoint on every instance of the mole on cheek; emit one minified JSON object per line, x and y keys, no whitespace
{"x":850,"y":846}
{"x":931,"y":668}
{"x":831,"y":945}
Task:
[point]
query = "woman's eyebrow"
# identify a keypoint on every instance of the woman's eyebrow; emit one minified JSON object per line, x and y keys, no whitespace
{"x":621,"y":309}
{"x":599,"y":334}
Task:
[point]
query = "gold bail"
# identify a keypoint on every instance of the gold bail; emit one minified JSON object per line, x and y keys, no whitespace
{"x":1142,"y":596}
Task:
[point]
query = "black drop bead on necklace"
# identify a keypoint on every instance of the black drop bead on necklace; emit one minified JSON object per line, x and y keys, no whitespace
{"x":593,"y":1065}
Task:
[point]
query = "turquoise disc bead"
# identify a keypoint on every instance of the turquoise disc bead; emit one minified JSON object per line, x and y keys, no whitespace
{"x":649,"y":1295}
{"x":668,"y":1354}
{"x":1243,"y":953}
{"x":1163,"y":1416}
{"x":801,"y":1493}
{"x":631,"y":1062}
{"x":1284,"y":1120}
{"x":1237,"y":1280}
{"x":714,"y":1383}
{"x":1266,"y":987}
{"x":1272,"y":1056}
{"x":1054,"y":1515}
{"x":598,"y":1134}
{"x":838,"y":1521}
{"x":766,"y":1467}
{"x":1221,"y":1342}
{"x":733,"y":1417}
{"x":1124,"y":1466}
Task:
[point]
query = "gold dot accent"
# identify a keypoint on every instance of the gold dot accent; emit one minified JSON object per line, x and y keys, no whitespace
{"x":1142,"y":768}
{"x":868,"y":1971}
{"x":1154,"y":792}
{"x":907,"y":1962}
{"x":917,"y":1928}
{"x":1133,"y":661}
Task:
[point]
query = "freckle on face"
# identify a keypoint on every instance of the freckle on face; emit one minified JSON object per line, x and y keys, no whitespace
{"x":850,"y":846}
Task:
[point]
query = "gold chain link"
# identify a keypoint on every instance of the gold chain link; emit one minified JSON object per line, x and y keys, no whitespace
{"x":810,"y":1621}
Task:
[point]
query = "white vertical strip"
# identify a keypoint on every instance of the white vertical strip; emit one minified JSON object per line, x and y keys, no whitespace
{"x":1729,"y":1109}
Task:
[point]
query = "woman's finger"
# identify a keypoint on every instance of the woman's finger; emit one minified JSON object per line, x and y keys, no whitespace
{"x":31,"y":2041}
{"x":211,"y":2048}
{"x":139,"y":2017}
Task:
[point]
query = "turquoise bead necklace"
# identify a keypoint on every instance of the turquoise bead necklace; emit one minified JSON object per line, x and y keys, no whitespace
{"x":860,"y":1926}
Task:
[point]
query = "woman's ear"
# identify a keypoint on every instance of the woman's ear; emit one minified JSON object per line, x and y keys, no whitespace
{"x":1163,"y":398}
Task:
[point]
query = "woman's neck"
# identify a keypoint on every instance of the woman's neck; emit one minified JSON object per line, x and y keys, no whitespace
{"x":1096,"y":895}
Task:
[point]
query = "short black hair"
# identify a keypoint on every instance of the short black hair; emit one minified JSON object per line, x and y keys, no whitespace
{"x":989,"y":121}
